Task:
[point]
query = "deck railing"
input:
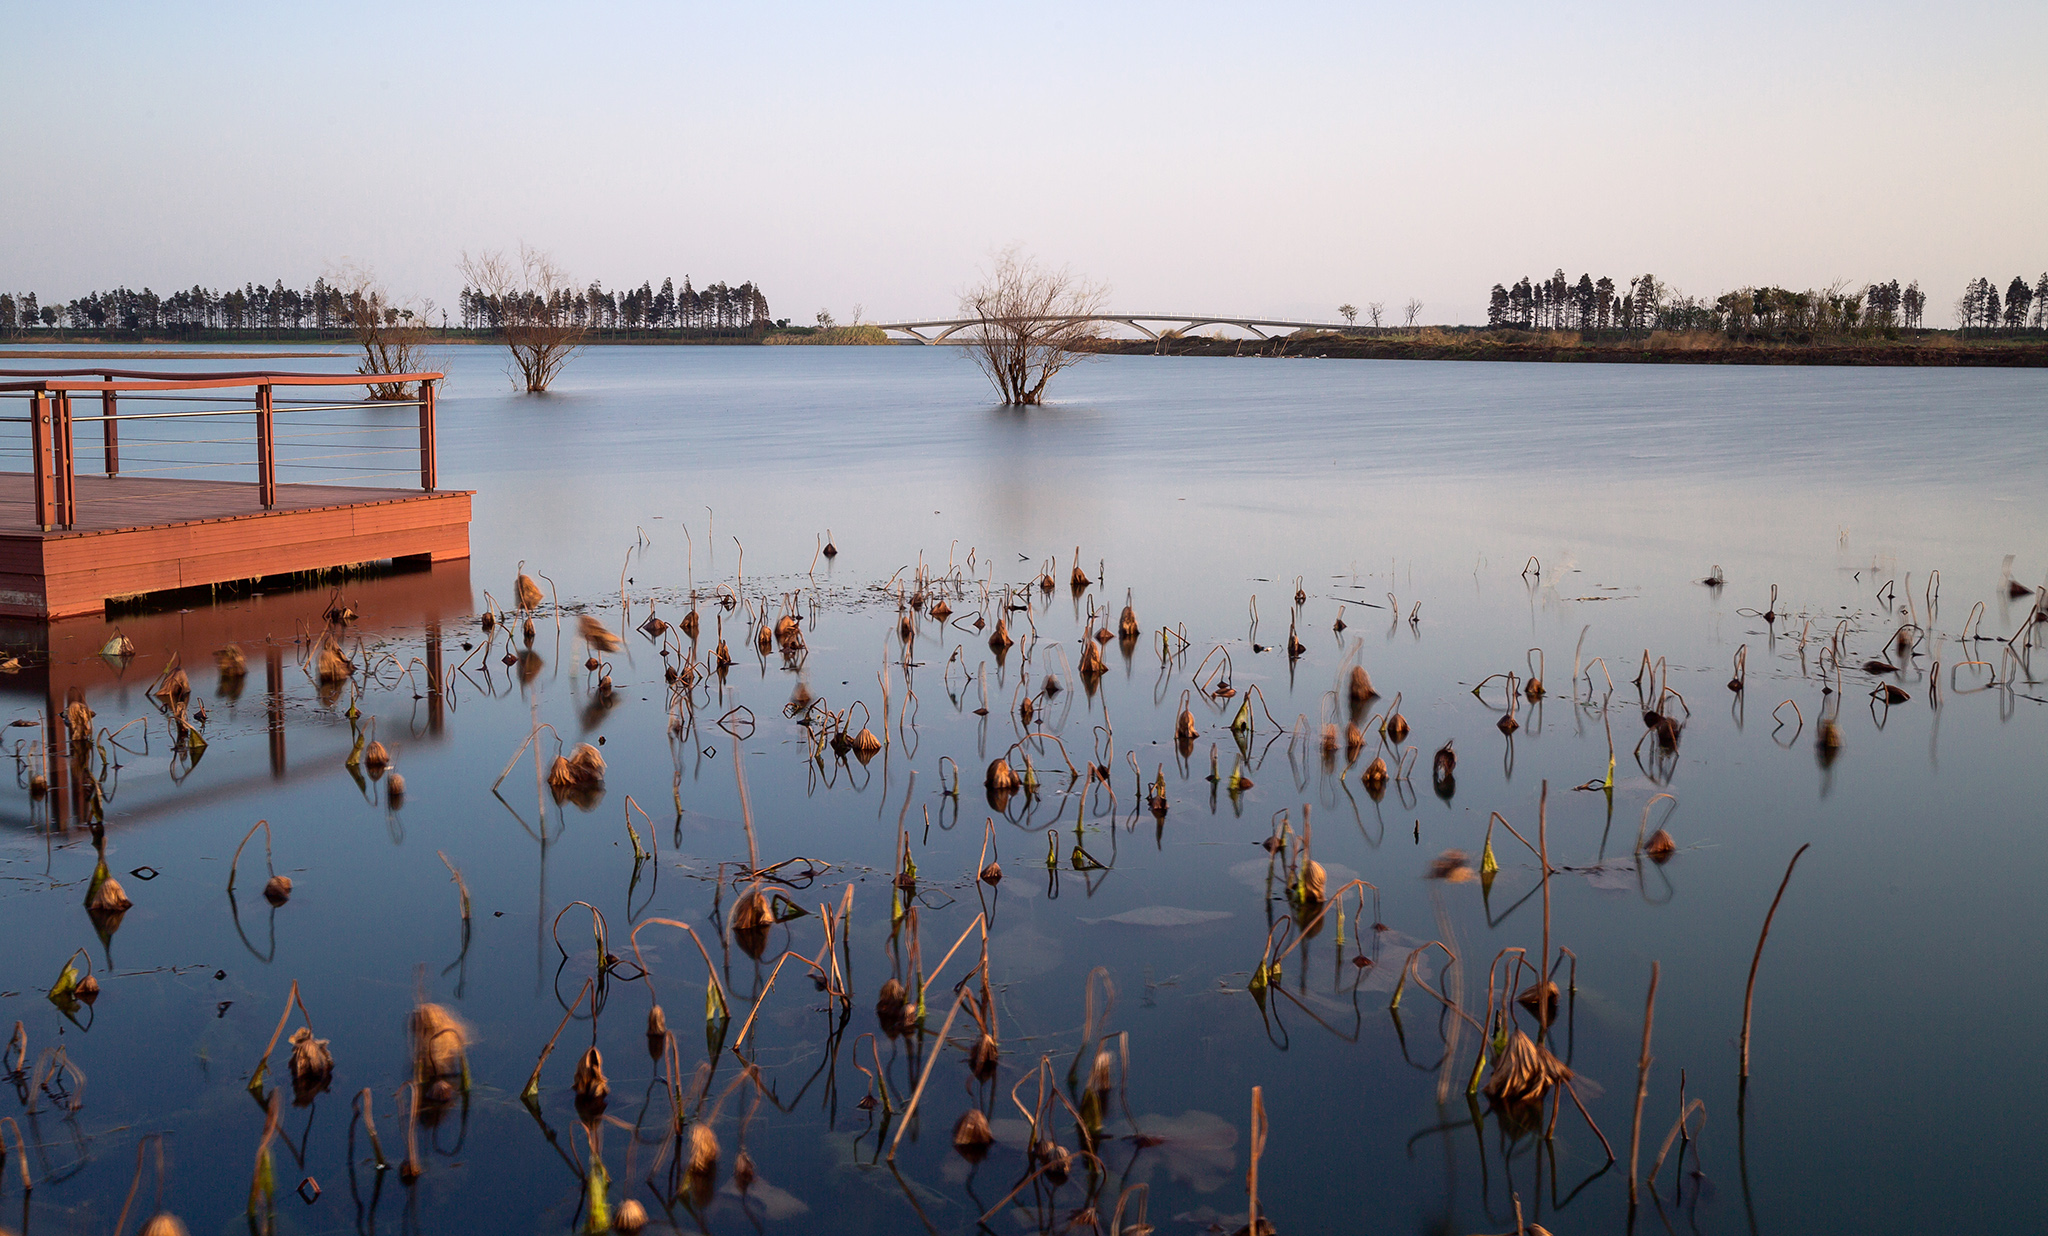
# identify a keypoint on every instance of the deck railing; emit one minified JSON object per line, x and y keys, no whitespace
{"x":52,"y":420}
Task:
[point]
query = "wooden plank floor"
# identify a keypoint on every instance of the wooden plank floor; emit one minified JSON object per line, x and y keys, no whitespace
{"x":107,"y":504}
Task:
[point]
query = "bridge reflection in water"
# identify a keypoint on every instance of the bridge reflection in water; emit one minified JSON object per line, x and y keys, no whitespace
{"x":274,"y":629}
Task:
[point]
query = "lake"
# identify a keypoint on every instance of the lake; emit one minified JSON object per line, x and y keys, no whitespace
{"x":1464,"y":521}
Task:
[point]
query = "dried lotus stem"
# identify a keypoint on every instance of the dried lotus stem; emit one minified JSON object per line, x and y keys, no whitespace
{"x":1749,"y":992}
{"x":1635,"y":1136}
{"x":265,"y":826}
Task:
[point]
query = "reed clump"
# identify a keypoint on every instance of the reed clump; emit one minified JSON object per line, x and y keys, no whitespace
{"x":581,"y":769}
{"x":1525,"y":1071}
{"x":107,"y":896}
{"x":591,"y":1087}
{"x":78,"y":719}
{"x":704,"y":1150}
{"x":597,"y":635}
{"x":329,"y":664}
{"x":526,"y":593}
{"x":752,"y":912}
{"x":657,"y":1031}
{"x":376,"y":757}
{"x":972,"y":1136}
{"x":311,"y":1064}
{"x":1396,"y":724}
{"x":440,"y":1052}
{"x":630,"y":1218}
{"x":1452,"y":867}
{"x":1001,"y":778}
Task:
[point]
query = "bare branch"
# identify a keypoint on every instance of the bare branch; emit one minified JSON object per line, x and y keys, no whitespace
{"x":1032,"y":322}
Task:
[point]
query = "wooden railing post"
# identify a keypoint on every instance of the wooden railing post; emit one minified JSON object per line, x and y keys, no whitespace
{"x":429,"y":468}
{"x":61,"y":458}
{"x":111,"y":435}
{"x":266,"y":449}
{"x":39,"y":449}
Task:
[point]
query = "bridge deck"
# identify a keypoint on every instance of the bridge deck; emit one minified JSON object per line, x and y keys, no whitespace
{"x":949,"y":327}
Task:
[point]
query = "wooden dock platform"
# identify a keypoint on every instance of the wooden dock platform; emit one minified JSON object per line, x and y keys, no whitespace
{"x":137,"y":535}
{"x":70,"y":541}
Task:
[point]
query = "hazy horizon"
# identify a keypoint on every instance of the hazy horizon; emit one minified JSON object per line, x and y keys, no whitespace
{"x":1218,"y":159}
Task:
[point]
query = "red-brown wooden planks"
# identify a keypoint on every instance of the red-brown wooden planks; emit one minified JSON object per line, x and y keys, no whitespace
{"x":147,"y":534}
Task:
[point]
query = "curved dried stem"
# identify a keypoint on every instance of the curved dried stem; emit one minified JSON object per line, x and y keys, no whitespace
{"x":236,"y":862}
{"x":532,"y":1089}
{"x":263,"y":1061}
{"x":1749,"y":992}
{"x":648,"y":975}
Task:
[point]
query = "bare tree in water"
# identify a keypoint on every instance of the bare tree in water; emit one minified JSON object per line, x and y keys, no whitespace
{"x":530,"y":300}
{"x":392,"y":335}
{"x":1030,"y":324}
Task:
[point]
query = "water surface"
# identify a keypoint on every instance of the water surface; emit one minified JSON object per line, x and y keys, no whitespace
{"x":1519,"y":507}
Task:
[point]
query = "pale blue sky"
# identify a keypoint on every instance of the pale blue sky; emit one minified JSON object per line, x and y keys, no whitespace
{"x":1239,"y":158}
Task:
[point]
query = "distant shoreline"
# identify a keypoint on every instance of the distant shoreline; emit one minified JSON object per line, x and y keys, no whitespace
{"x":1929,"y":349}
{"x":1700,"y":348}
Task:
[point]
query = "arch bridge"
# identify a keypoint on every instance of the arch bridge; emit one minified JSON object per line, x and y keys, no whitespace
{"x":1161,"y":324}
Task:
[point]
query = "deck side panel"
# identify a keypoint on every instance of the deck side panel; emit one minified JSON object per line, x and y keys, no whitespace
{"x":207,"y":533}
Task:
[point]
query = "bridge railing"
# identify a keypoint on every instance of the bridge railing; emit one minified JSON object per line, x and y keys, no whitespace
{"x":954,"y":326}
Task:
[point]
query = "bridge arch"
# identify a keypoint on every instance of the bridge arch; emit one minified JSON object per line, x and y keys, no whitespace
{"x":1186,"y":323}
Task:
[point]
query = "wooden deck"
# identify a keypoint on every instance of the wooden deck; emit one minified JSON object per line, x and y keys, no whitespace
{"x":135,"y":535}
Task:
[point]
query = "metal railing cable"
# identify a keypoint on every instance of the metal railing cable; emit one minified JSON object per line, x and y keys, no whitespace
{"x":314,"y":440}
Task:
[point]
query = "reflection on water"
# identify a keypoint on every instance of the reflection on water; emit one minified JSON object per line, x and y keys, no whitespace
{"x":1151,"y":955}
{"x":119,"y":665}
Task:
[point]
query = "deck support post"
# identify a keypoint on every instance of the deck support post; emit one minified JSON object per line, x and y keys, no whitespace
{"x":266,"y":449}
{"x":63,"y":471}
{"x":429,"y":467}
{"x":273,"y":704}
{"x":39,"y":448}
{"x":110,"y":435}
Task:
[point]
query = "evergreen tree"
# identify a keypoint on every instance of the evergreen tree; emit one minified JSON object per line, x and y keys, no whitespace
{"x":2018,"y":297}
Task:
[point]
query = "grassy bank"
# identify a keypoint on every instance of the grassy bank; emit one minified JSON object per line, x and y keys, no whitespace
{"x":832,"y":336}
{"x":1659,"y":347}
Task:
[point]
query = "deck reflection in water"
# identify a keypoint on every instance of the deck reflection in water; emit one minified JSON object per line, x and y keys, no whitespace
{"x":272,"y":627}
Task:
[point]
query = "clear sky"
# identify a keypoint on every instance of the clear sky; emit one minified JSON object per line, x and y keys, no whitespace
{"x":1242,"y":158}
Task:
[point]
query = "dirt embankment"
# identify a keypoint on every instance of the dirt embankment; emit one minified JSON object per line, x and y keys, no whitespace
{"x":1655,"y":350}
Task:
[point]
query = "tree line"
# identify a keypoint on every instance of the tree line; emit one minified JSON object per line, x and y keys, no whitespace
{"x":1646,"y":304}
{"x":252,"y":306}
{"x":717,"y":307}
{"x":1979,"y":305}
{"x":327,"y":306}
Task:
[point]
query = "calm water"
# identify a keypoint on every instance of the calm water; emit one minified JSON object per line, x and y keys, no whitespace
{"x":1896,"y":1000}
